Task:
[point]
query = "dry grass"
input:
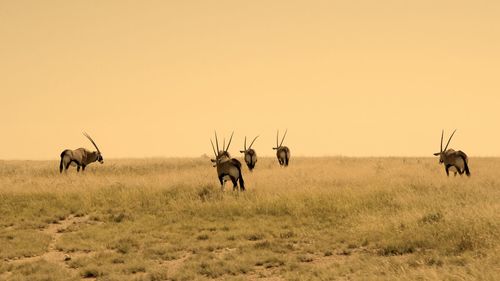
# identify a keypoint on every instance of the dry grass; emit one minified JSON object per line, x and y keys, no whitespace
{"x":319,"y":219}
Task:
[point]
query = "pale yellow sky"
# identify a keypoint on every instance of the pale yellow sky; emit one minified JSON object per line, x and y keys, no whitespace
{"x":155,"y":78}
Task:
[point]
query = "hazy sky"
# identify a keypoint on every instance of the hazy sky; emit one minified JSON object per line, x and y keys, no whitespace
{"x":155,"y":78}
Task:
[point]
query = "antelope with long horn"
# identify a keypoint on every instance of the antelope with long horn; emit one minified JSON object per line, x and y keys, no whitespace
{"x":282,"y":152}
{"x":227,"y":168}
{"x":80,"y":157}
{"x":457,"y":161}
{"x":250,"y":154}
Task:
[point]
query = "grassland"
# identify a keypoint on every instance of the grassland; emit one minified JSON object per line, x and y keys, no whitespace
{"x":319,"y":219}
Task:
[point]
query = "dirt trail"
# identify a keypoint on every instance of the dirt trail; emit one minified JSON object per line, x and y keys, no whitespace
{"x":174,"y":265}
{"x":55,"y":231}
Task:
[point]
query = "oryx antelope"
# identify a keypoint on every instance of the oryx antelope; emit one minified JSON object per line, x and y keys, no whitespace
{"x":282,"y":152}
{"x":250,"y":154}
{"x":227,"y":167}
{"x":456,"y":161}
{"x":80,"y":157}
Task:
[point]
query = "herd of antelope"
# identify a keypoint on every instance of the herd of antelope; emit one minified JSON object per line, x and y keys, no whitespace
{"x":230,"y":168}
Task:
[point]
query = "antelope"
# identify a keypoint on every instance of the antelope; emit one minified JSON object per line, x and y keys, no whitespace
{"x":250,"y":154}
{"x":454,"y":160}
{"x":227,"y":167}
{"x":282,"y":152}
{"x":80,"y":157}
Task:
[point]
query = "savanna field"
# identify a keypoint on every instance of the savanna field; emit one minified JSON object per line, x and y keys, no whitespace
{"x":319,"y":219}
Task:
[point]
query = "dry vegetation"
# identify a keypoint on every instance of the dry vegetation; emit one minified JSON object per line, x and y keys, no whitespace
{"x":319,"y":219}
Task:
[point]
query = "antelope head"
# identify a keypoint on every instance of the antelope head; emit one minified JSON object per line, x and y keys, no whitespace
{"x":281,"y":144}
{"x":99,"y":155}
{"x":442,"y":151}
{"x":221,"y":155}
{"x":245,"y":149}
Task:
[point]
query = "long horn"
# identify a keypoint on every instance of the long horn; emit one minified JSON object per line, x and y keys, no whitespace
{"x":213,"y":148}
{"x":252,"y":142}
{"x":245,"y":145}
{"x":442,"y":134}
{"x":224,"y":143}
{"x":449,"y":140}
{"x":283,"y":137}
{"x":91,"y":140}
{"x":230,"y":139}
{"x":277,"y":135}
{"x":216,"y":142}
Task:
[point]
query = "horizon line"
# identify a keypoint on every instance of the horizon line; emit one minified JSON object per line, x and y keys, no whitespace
{"x":208,"y":157}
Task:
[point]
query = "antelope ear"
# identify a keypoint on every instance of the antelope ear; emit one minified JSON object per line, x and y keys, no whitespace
{"x":212,"y":160}
{"x":436,"y":154}
{"x":242,"y":151}
{"x":275,"y":148}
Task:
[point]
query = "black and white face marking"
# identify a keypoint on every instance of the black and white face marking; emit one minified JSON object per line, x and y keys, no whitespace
{"x":440,"y":154}
{"x":221,"y":158}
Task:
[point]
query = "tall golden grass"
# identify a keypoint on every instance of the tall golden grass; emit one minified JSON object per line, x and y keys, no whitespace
{"x":318,"y":219}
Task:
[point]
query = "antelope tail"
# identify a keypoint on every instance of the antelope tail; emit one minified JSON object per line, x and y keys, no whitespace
{"x":466,"y":167}
{"x":241,"y":181}
{"x":61,"y":163}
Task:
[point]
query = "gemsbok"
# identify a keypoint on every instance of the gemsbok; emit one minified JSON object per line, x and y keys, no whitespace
{"x":250,"y":154}
{"x":282,"y":152}
{"x":456,"y":161}
{"x":227,"y":167}
{"x":80,"y":157}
